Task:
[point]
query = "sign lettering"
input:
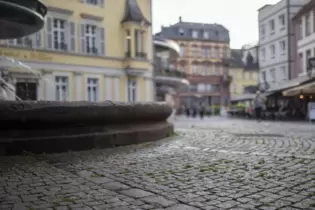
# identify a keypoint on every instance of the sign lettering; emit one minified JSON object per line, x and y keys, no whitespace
{"x":26,"y":55}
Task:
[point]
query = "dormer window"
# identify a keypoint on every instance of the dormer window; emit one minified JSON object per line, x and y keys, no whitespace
{"x":95,"y":2}
{"x":205,"y":35}
{"x":195,"y":34}
{"x":181,"y":31}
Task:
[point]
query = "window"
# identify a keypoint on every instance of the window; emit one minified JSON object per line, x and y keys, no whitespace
{"x":301,"y":61}
{"x":300,"y":36}
{"x":59,"y":33}
{"x":90,"y":39}
{"x":244,"y":75}
{"x":250,"y":75}
{"x":272,"y":26}
{"x":272,"y":75}
{"x":262,"y":31}
{"x":272,"y":51}
{"x":62,"y":88}
{"x":225,"y":51}
{"x":92,"y":89}
{"x":217,"y":54}
{"x":308,"y":55}
{"x":182,"y":68}
{"x":132,"y":90}
{"x":139,"y":44}
{"x":263,"y":76}
{"x":195,"y":69}
{"x":282,"y":47}
{"x":195,"y":34}
{"x":93,"y":2}
{"x":217,"y":69}
{"x":171,"y":67}
{"x":205,"y":35}
{"x":282,"y":22}
{"x":284,"y":73}
{"x":128,"y":44}
{"x":307,"y":25}
{"x":206,"y":52}
{"x":203,"y":70}
{"x":210,"y":69}
{"x":24,"y":42}
{"x":195,"y":51}
{"x":263,"y":53}
{"x":235,"y":88}
{"x":182,"y":50}
{"x":181,"y":32}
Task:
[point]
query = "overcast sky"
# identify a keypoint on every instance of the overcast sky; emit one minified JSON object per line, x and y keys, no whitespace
{"x":240,"y":17}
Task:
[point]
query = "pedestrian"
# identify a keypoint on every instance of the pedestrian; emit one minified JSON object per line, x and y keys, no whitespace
{"x":202,"y":111}
{"x":187,"y":111}
{"x":259,"y":101}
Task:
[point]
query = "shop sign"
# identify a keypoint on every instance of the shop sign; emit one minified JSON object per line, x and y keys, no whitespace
{"x":26,"y":55}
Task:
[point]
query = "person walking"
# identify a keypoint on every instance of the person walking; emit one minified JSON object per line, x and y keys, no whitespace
{"x":259,"y":101}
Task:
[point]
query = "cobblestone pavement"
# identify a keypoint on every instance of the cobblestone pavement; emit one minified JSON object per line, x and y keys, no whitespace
{"x":210,"y":164}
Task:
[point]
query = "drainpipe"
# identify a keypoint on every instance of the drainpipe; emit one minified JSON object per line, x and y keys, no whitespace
{"x":153,"y":56}
{"x":289,"y":40}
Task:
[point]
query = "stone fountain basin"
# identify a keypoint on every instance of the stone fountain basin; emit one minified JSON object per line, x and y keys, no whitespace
{"x":19,"y":18}
{"x":48,"y":127}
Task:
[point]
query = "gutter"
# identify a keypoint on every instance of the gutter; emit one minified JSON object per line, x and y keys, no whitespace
{"x":289,"y":40}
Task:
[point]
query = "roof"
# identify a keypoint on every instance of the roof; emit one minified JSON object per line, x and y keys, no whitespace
{"x":183,"y":30}
{"x":194,"y":25}
{"x":236,"y":59}
{"x":265,"y":6}
{"x":250,"y":45}
{"x":133,"y":13}
{"x":307,"y":7}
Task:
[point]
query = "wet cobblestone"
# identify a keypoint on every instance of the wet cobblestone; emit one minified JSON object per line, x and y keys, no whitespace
{"x":214,"y":164}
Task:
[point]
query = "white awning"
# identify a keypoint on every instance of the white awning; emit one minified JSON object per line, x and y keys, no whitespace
{"x":308,"y":88}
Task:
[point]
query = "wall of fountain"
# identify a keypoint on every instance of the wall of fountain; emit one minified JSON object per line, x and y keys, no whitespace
{"x":54,"y":126}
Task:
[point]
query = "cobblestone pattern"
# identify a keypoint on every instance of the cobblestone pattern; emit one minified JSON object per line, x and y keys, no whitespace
{"x":211,"y":165}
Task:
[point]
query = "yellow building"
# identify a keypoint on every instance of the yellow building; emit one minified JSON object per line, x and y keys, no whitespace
{"x":91,"y":50}
{"x":244,"y":74}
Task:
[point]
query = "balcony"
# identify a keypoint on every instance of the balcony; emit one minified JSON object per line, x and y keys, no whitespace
{"x":227,"y":79}
{"x":172,"y":78}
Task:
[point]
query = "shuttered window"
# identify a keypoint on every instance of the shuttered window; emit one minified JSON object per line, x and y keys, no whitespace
{"x":92,"y":40}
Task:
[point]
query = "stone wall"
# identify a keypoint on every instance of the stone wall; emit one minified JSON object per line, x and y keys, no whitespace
{"x":40,"y":127}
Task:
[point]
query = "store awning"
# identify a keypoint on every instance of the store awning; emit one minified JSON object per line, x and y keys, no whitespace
{"x":308,"y":88}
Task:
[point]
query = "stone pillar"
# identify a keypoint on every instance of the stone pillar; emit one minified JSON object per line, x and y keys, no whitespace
{"x":49,"y":86}
{"x":149,"y":91}
{"x":116,"y":86}
{"x":40,"y":89}
{"x":108,"y":83}
{"x":78,"y":86}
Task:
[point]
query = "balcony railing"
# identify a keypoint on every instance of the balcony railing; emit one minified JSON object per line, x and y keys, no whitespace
{"x":141,"y":55}
{"x":169,"y":73}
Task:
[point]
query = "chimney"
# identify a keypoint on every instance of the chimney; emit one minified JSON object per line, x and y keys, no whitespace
{"x":180,"y":19}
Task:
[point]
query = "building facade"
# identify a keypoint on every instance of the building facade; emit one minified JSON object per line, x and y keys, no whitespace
{"x":304,"y":25}
{"x":244,"y":70}
{"x":277,"y":41}
{"x":92,"y":50}
{"x":204,"y":49}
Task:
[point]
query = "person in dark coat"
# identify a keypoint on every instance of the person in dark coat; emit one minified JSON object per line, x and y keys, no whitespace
{"x":202,"y":111}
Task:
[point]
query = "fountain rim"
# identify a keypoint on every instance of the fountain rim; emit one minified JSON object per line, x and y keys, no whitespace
{"x":40,"y":16}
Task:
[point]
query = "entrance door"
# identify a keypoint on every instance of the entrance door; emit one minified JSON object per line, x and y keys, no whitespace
{"x":26,"y":91}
